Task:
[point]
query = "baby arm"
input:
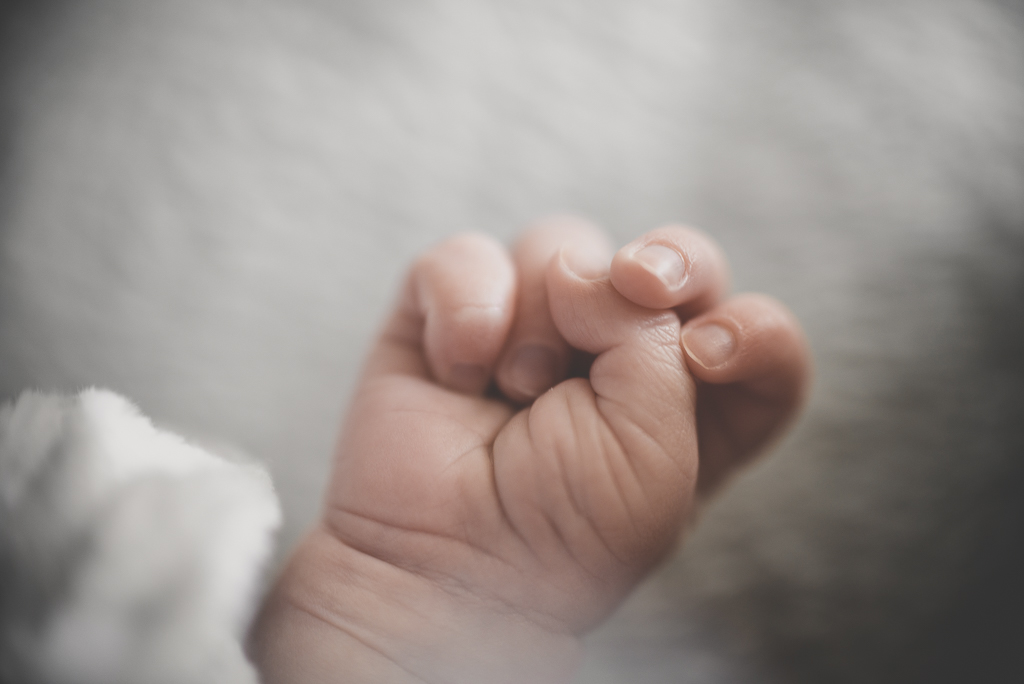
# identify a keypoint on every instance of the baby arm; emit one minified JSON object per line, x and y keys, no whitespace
{"x":466,"y":538}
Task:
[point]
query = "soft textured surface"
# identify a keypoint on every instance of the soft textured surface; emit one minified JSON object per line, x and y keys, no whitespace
{"x":207,"y":204}
{"x":128,"y":555}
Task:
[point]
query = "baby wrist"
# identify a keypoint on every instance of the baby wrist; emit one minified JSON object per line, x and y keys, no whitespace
{"x":337,"y":610}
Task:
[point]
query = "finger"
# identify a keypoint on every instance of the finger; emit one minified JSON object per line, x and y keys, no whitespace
{"x":536,"y":357}
{"x":672,"y":267}
{"x":754,"y":363}
{"x":453,"y":315}
{"x":641,"y":388}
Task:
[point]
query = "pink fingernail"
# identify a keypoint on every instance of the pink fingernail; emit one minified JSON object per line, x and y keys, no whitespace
{"x":533,"y":370}
{"x":710,"y":344}
{"x":664,"y":263}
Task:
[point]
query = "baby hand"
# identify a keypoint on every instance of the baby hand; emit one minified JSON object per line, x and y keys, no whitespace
{"x":467,"y":539}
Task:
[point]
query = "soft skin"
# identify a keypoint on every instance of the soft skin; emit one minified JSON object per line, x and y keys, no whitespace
{"x":531,"y":434}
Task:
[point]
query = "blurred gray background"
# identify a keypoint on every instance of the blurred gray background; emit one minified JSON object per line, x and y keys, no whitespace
{"x":207,"y":206}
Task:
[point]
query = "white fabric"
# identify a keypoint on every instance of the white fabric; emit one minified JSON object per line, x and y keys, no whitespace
{"x":128,"y":555}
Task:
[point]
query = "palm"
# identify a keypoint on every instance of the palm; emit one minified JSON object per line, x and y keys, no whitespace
{"x":416,"y":457}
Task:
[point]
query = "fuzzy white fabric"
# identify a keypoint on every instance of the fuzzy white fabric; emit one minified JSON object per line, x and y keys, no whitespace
{"x":129,"y":555}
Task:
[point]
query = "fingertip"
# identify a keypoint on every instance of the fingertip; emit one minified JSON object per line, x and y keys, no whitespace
{"x":752,"y":385}
{"x":564,"y":239}
{"x":671,"y":267}
{"x":465,"y":289}
{"x":709,"y":345}
{"x":752,"y":339}
{"x":650,"y":274}
{"x":583,"y":262}
{"x":536,"y":356}
{"x":574,"y":288}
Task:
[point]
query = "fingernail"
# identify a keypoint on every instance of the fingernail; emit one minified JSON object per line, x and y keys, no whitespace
{"x":663,"y":262}
{"x":533,"y":370}
{"x":587,"y":264}
{"x":467,"y":377}
{"x":710,"y":344}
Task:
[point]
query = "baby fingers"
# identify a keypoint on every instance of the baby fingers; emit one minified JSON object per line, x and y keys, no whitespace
{"x":536,"y":356}
{"x":754,"y":365}
{"x":672,"y":268}
{"x":751,"y":339}
{"x":453,"y":315}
